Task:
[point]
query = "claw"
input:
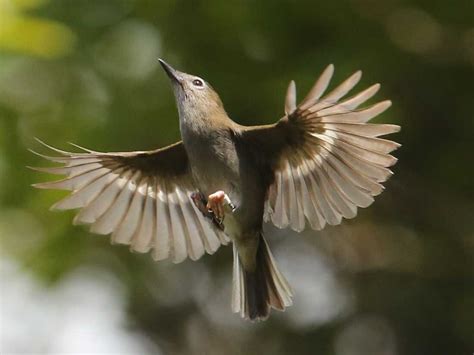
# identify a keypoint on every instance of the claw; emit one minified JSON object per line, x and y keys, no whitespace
{"x":215,"y":207}
{"x":217,"y":202}
{"x":201,"y":203}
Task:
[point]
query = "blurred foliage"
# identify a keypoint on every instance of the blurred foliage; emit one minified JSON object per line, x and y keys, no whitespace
{"x":29,"y":34}
{"x":396,"y":280}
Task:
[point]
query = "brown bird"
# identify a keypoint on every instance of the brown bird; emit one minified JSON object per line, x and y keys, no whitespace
{"x":314,"y":166}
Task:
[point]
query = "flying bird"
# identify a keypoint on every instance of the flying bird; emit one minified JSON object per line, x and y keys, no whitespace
{"x":315,"y":166}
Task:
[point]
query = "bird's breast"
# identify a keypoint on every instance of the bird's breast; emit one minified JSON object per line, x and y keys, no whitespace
{"x":214,"y":162}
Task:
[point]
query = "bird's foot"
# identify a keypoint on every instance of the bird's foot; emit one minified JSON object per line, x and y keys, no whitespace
{"x":210,"y":209}
{"x":217,"y":203}
{"x":201,"y":203}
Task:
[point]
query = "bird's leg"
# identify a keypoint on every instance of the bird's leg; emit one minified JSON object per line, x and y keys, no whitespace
{"x":207,"y":209}
{"x":217,"y":202}
{"x":200,"y":202}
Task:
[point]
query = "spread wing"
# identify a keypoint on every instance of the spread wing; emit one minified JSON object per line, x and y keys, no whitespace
{"x":141,"y":198}
{"x":331,"y":160}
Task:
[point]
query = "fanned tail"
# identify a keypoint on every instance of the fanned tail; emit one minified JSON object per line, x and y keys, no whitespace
{"x":255,"y":293}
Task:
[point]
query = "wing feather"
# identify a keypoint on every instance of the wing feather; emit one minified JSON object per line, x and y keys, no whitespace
{"x":298,"y":183}
{"x":142,"y":239}
{"x":101,"y":203}
{"x":130,"y":222}
{"x":290,"y":100}
{"x":194,"y":233}
{"x":280,"y":218}
{"x":141,"y":198}
{"x":107,"y":219}
{"x":163,"y":247}
{"x":318,"y":88}
{"x":329,"y":160}
{"x":310,"y":207}
{"x":178,"y":228}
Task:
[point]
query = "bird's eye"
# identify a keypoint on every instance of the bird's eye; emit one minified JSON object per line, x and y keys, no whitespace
{"x":198,"y":82}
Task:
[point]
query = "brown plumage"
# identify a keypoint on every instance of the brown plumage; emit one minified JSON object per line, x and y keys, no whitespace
{"x":314,"y":166}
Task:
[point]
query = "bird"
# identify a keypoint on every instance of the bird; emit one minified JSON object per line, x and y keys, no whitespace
{"x":313,"y":167}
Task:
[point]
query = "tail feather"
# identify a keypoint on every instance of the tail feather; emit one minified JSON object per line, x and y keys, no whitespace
{"x":255,"y":293}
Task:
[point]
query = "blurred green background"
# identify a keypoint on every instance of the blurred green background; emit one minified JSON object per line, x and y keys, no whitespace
{"x":396,"y":280}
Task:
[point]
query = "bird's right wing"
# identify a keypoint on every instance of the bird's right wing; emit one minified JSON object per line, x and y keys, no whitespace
{"x":141,"y":198}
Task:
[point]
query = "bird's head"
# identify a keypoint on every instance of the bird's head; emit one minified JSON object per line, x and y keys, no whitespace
{"x":194,"y":96}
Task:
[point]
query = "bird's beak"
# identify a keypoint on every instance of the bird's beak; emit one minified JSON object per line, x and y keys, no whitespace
{"x":173,"y":74}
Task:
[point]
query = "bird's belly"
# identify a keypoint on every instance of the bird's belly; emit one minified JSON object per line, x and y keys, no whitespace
{"x":232,"y":226}
{"x":211,"y":173}
{"x":213,"y":180}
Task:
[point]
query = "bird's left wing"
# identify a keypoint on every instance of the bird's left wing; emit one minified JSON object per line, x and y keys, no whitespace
{"x":141,"y":198}
{"x":326,"y":160}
